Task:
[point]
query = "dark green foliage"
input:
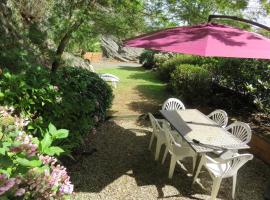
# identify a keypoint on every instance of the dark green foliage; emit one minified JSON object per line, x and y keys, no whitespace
{"x":84,"y":100}
{"x":249,"y":77}
{"x":147,"y":59}
{"x":246,"y":76}
{"x":191,"y":82}
{"x":166,"y":68}
{"x":77,"y":100}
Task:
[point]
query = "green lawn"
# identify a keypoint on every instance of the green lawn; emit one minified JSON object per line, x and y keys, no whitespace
{"x":139,"y":90}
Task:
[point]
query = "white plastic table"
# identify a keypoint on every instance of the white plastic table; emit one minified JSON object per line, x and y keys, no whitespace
{"x":191,"y":124}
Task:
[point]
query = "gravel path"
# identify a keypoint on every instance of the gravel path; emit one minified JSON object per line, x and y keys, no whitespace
{"x":124,"y":169}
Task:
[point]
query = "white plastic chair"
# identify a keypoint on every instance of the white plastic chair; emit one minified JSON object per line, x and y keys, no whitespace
{"x":173,"y":104}
{"x":178,"y":150}
{"x":158,"y":132}
{"x":220,"y":169}
{"x":240,"y":130}
{"x":220,"y":117}
{"x":110,"y":78}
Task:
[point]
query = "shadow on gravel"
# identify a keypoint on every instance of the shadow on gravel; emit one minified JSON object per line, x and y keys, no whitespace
{"x":124,"y":152}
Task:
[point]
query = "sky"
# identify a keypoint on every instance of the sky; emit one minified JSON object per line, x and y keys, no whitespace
{"x":253,"y":8}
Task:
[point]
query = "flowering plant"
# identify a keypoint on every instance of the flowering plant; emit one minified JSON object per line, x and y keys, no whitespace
{"x":28,"y":169}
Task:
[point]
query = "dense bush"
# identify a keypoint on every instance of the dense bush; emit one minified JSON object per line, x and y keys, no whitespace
{"x":147,"y":59}
{"x":77,"y":100}
{"x":191,"y":82}
{"x":152,"y":59}
{"x":85,"y":97}
{"x":28,"y":168}
{"x":247,"y":76}
{"x":167,"y":67}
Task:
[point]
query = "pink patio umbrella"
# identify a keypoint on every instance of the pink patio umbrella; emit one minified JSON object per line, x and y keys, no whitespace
{"x":208,"y":39}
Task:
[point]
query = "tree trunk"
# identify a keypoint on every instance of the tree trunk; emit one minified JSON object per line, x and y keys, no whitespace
{"x":62,"y":45}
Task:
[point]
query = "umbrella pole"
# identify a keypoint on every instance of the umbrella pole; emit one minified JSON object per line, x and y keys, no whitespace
{"x":210,"y":17}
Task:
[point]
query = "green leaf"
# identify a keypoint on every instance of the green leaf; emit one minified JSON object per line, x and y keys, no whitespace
{"x":29,"y":163}
{"x":61,"y":133}
{"x":2,"y":151}
{"x":2,"y":95}
{"x":5,"y":162}
{"x":46,"y":142}
{"x":52,"y":129}
{"x":54,"y":150}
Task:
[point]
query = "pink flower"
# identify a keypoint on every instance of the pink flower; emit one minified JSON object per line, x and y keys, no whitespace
{"x":67,"y":188}
{"x":20,"y":192}
{"x":7,"y":185}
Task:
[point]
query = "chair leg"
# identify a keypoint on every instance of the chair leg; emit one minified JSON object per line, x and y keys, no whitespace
{"x":165,"y":155}
{"x":198,"y":169}
{"x":193,"y":164}
{"x":172,"y":166}
{"x":215,"y":188}
{"x":158,"y":146}
{"x":151,"y":141}
{"x":234,"y":185}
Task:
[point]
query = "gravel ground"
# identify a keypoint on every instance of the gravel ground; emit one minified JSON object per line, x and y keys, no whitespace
{"x":124,"y":169}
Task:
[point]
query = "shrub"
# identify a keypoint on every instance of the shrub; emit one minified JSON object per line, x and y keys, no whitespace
{"x":29,"y":92}
{"x":85,"y":97}
{"x":190,"y":82}
{"x":160,"y":58}
{"x":77,"y":100}
{"x":28,"y":168}
{"x":147,"y":59}
{"x":247,"y":76}
{"x":166,"y":68}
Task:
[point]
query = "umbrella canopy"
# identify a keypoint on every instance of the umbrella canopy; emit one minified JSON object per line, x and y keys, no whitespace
{"x":209,"y":39}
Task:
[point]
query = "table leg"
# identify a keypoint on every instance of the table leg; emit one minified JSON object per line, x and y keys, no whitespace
{"x":198,"y":160}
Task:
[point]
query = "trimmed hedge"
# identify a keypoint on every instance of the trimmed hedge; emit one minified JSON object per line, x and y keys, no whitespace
{"x":191,"y":82}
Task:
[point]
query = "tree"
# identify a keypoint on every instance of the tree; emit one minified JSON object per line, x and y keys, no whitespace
{"x":102,"y":17}
{"x":197,"y":11}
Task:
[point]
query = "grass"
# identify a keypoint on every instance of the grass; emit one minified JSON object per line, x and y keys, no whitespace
{"x":139,"y":90}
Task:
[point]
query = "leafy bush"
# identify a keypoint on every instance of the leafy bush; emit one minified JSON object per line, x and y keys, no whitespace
{"x":85,"y":97}
{"x":247,"y":76}
{"x":28,"y":170}
{"x":152,"y":59}
{"x":29,"y":92}
{"x":77,"y":100}
{"x":147,"y":59}
{"x":166,"y":68}
{"x":191,"y":82}
{"x":160,"y":58}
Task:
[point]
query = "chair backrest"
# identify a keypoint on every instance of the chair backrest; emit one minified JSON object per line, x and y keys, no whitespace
{"x":155,"y":125}
{"x":220,"y":117}
{"x":240,"y":130}
{"x":173,"y":104}
{"x":234,"y":163}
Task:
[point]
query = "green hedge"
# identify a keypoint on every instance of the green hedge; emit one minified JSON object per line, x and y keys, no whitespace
{"x":191,"y":82}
